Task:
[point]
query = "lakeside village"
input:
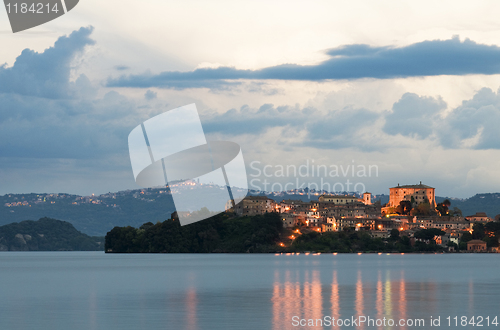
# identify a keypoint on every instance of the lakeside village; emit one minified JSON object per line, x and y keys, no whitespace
{"x":411,"y":208}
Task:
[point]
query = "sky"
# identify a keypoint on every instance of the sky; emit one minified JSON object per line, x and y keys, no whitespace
{"x":409,"y":90}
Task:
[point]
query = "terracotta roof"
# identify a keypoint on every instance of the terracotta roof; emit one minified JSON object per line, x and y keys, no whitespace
{"x":414,"y":186}
{"x":338,"y":196}
{"x":476,"y":241}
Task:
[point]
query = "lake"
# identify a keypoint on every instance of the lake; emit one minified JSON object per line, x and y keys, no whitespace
{"x":93,"y":290}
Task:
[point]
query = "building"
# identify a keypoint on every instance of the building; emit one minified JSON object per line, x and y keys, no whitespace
{"x":367,"y":198}
{"x":338,"y":199}
{"x":478,"y":217}
{"x":443,"y":225}
{"x":387,"y":224}
{"x":356,"y":223}
{"x":452,"y":236}
{"x":417,"y":194}
{"x":288,"y":205}
{"x":289,"y":220}
{"x":380,"y":234}
{"x":356,"y":210}
{"x":327,"y":227}
{"x":255,"y":205}
{"x":313,"y":221}
{"x":476,"y":246}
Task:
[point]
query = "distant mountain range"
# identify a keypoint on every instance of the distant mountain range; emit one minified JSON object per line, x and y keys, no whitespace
{"x":96,"y":215}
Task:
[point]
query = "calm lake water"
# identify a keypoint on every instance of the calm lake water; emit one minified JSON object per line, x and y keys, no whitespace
{"x":93,"y":290}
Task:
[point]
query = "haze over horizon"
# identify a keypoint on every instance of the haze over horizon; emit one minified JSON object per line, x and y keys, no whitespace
{"x":251,"y":192}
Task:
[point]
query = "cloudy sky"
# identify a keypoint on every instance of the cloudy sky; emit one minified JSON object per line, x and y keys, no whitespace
{"x":411,"y":88}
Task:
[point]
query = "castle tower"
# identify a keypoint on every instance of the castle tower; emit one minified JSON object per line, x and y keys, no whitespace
{"x":419,"y":193}
{"x":367,"y":198}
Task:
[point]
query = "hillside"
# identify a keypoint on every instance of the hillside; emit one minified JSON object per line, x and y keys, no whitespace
{"x":488,"y":203}
{"x":220,"y":233}
{"x":46,"y":235}
{"x":93,"y":215}
{"x":225,"y":233}
{"x":96,"y":215}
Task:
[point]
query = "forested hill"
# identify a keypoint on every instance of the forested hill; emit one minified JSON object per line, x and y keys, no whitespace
{"x":488,"y":203}
{"x":225,"y":233}
{"x":46,"y":235}
{"x":220,"y":233}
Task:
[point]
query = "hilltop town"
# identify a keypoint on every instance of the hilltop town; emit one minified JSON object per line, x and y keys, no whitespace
{"x":411,"y":209}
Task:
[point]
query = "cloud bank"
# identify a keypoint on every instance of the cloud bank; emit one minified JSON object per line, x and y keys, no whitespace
{"x":427,"y":58}
{"x":45,"y":115}
{"x":473,"y":125}
{"x":45,"y":74}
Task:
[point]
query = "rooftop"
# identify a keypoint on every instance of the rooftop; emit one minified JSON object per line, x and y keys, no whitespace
{"x":478,"y":214}
{"x":338,"y":196}
{"x":293,"y":201}
{"x":414,"y":186}
{"x":249,"y":197}
{"x":476,"y":241}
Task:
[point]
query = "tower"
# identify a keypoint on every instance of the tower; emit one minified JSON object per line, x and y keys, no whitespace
{"x":367,"y":198}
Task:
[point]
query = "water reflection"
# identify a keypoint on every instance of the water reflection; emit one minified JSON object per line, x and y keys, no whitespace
{"x":301,"y":295}
{"x":335,"y":297}
{"x":402,"y":298}
{"x":191,"y":302}
{"x":359,"y":297}
{"x":388,"y":296}
{"x":380,"y":297}
{"x":290,"y":296}
{"x":227,"y":292}
{"x":471,"y":294}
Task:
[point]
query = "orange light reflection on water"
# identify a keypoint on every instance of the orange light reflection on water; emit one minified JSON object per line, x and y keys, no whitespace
{"x":302,"y":296}
{"x":335,"y":297}
{"x":293,"y":299}
{"x":359,"y":298}
{"x":191,"y":304}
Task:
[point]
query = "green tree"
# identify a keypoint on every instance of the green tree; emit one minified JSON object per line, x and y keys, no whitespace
{"x":428,"y":234}
{"x":466,"y":236}
{"x":456,"y":212}
{"x":492,"y":228}
{"x":394,"y":234}
{"x":491,"y":241}
{"x":406,"y":207}
{"x":424,"y":209}
{"x":478,"y":231}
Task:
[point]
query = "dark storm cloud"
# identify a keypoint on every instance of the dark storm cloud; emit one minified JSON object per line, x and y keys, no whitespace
{"x":427,"y":58}
{"x":45,"y":115}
